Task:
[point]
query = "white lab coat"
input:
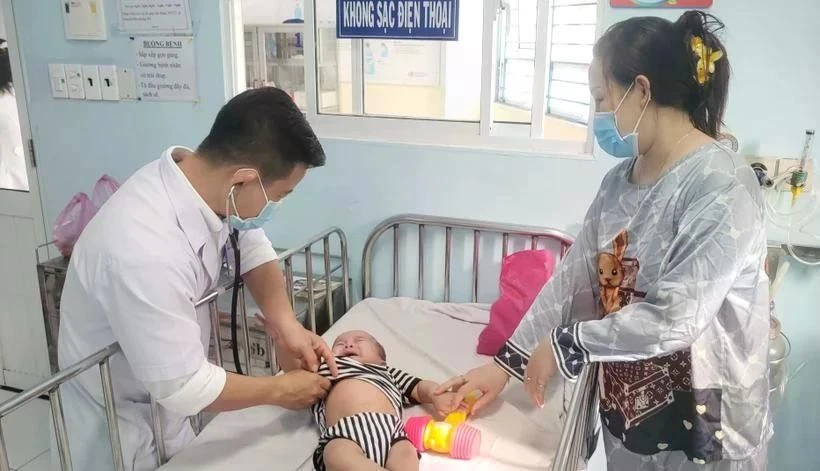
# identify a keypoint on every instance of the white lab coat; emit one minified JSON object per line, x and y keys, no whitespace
{"x":12,"y":157}
{"x":151,"y":252}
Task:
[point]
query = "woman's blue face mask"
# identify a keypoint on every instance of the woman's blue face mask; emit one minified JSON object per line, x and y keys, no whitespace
{"x":255,"y":222}
{"x":605,"y":127}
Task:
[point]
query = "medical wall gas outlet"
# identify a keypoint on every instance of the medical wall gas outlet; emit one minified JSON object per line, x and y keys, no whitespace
{"x":84,"y":19}
{"x":74,"y":78}
{"x":91,"y":82}
{"x":109,"y":83}
{"x":57,"y":79}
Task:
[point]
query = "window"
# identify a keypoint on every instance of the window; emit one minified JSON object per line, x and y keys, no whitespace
{"x":573,"y":36}
{"x":476,"y":91}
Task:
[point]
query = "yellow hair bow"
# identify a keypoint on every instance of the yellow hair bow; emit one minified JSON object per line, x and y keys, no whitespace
{"x":706,"y":59}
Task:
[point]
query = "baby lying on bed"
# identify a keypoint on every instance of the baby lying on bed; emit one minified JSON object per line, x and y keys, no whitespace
{"x":360,"y":420}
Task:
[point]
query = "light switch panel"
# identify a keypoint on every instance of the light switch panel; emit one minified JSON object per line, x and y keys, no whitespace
{"x":74,"y":78}
{"x":57,"y":79}
{"x":126,"y":83}
{"x":108,"y":83}
{"x":91,"y":82}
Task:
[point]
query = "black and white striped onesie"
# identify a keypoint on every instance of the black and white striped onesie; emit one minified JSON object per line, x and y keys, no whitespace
{"x":374,"y":432}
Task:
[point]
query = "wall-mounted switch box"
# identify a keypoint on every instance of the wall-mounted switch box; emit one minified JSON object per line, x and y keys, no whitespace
{"x":57,"y":79}
{"x":91,"y":82}
{"x":109,"y":83}
{"x":74,"y":78}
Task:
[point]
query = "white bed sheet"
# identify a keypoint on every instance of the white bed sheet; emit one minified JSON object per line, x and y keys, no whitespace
{"x":429,"y":340}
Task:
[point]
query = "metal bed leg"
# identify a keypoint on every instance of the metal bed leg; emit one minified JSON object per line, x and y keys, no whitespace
{"x":156,"y":423}
{"x":243,"y":311}
{"x":396,"y":261}
{"x":566,"y":458}
{"x":217,"y":336}
{"x":448,"y":247}
{"x":274,"y":368}
{"x":345,"y":269}
{"x":59,"y":430}
{"x":421,"y":261}
{"x":328,"y":283}
{"x":111,"y":414}
{"x":309,"y":276}
{"x":4,"y":456}
{"x":289,"y":281}
{"x":476,"y":242}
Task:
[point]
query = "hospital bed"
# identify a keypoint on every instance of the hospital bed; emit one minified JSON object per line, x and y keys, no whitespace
{"x":425,"y":289}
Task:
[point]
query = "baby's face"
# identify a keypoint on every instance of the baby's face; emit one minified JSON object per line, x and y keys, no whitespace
{"x":358,"y":344}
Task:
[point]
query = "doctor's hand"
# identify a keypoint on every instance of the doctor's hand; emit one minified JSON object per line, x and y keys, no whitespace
{"x":490,"y":379}
{"x":540,"y":369}
{"x":301,"y":344}
{"x":298,"y":389}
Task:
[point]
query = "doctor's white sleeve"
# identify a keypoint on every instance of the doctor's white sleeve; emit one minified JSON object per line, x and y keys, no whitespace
{"x":191,"y":394}
{"x":567,"y":295}
{"x":149,"y":303}
{"x":719,"y":234}
{"x":255,"y":249}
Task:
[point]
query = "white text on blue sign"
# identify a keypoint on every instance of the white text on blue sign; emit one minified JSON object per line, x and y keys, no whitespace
{"x":398,"y":19}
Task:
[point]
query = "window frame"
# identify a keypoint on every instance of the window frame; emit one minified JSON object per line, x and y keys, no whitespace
{"x":551,"y":63}
{"x":485,"y":134}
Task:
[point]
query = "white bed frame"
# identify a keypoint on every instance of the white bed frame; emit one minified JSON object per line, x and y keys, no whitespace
{"x":579,"y":435}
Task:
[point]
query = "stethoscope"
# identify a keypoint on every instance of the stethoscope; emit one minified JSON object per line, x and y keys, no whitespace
{"x":233,"y":237}
{"x":237,"y":285}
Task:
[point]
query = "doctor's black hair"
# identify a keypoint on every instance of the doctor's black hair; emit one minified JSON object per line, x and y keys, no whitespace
{"x":5,"y":68}
{"x":662,"y":51}
{"x":262,"y":128}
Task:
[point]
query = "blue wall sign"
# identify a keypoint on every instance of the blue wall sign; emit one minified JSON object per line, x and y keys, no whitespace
{"x":397,"y":19}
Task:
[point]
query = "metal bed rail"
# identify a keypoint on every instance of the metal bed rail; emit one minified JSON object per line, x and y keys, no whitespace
{"x":578,"y":437}
{"x":507,"y":231}
{"x":306,"y":249}
{"x":51,"y":386}
{"x":103,"y":357}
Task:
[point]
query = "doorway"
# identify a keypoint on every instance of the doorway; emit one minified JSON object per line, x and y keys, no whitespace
{"x":23,"y":355}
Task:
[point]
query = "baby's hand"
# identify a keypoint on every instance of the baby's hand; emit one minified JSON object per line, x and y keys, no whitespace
{"x":444,"y":403}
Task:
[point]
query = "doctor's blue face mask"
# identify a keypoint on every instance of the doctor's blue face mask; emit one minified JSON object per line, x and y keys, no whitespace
{"x":255,"y":222}
{"x":605,"y":127}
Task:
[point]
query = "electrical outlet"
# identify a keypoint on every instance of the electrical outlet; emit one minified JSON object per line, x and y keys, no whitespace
{"x":787,"y":165}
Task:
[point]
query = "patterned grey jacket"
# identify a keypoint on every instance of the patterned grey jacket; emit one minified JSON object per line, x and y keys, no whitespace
{"x":666,"y":287}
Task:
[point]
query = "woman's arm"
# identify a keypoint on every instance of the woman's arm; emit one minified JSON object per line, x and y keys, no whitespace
{"x":567,"y":295}
{"x":719,"y":234}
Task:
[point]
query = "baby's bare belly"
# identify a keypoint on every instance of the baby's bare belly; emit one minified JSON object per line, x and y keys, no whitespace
{"x":354,"y":396}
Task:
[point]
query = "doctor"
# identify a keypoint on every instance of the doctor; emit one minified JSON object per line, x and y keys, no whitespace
{"x":152,"y":251}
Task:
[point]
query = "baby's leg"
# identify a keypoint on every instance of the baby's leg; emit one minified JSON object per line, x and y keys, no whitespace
{"x":402,"y":457}
{"x":344,"y":455}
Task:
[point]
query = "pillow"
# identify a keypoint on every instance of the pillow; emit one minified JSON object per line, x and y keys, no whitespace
{"x":523,"y":274}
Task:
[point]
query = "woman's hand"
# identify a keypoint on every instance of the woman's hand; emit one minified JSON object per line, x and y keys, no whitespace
{"x":490,"y":379}
{"x":540,"y":369}
{"x":443,"y":403}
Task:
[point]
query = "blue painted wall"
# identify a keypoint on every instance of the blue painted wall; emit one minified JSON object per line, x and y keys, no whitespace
{"x":774,"y":97}
{"x":76,"y":140}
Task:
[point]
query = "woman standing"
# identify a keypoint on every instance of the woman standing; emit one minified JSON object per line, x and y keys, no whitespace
{"x":665,"y":286}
